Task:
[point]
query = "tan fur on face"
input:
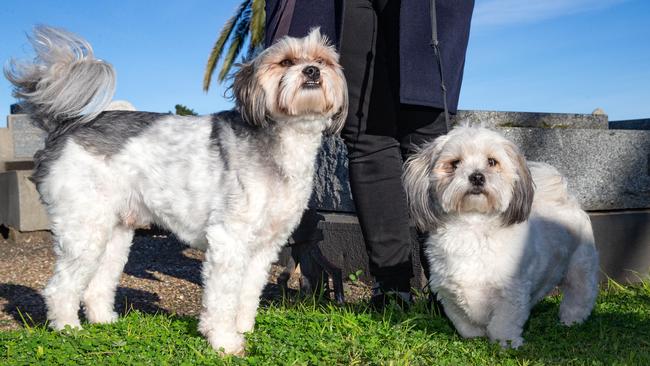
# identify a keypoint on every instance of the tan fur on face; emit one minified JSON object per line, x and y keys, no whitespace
{"x":268,"y":89}
{"x":437,"y":177}
{"x":470,"y":155}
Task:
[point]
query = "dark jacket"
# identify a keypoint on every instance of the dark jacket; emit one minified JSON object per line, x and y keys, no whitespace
{"x":419,"y":75}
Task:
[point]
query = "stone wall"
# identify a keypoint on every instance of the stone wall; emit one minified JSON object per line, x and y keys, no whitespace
{"x":608,"y":170}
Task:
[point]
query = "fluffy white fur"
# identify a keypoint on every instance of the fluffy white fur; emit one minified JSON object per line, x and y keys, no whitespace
{"x":502,"y":234}
{"x":234,"y":184}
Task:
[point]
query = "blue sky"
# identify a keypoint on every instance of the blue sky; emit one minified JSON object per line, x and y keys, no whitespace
{"x":524,"y":55}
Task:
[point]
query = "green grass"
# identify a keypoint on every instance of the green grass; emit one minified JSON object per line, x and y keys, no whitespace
{"x":309,"y":333}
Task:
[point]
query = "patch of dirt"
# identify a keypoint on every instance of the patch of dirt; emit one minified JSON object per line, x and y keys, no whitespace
{"x":162,"y":275}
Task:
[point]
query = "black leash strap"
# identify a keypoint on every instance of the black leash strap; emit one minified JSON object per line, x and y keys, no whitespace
{"x":436,"y":50}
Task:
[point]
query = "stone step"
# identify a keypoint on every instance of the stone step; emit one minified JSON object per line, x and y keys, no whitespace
{"x":20,"y":205}
{"x":622,"y":239}
{"x":27,"y":139}
{"x":606,"y":169}
{"x":533,"y":119}
{"x":631,"y":124}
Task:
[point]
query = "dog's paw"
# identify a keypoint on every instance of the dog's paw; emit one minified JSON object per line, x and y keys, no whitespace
{"x":60,"y":324}
{"x":513,"y":343}
{"x":227,"y":343}
{"x":569,"y":318}
{"x":101,"y":317}
{"x":245,"y":323}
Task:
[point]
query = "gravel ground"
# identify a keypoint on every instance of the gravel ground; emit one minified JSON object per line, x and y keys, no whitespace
{"x":161,"y":276}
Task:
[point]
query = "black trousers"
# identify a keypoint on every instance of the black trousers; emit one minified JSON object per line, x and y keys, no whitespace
{"x":380,"y":133}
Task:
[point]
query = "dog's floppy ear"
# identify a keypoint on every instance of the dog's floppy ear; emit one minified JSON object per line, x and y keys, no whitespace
{"x":523,"y":190}
{"x":249,"y":95}
{"x":338,"y":119}
{"x":417,"y":181}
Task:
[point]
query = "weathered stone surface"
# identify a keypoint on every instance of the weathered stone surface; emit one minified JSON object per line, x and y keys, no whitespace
{"x":27,"y":139}
{"x":331,"y":185}
{"x":606,"y":169}
{"x":533,"y":120}
{"x":6,"y":148}
{"x":622,"y":239}
{"x":20,"y":205}
{"x":623,"y":242}
{"x":632,"y":124}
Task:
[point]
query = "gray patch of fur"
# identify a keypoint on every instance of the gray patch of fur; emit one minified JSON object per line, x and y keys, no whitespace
{"x":250,"y":99}
{"x":523,"y":190}
{"x":219,"y":122}
{"x":242,"y":146}
{"x":106,"y":135}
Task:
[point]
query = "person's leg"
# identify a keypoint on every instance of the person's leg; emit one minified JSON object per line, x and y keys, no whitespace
{"x":419,"y":125}
{"x":375,"y":162}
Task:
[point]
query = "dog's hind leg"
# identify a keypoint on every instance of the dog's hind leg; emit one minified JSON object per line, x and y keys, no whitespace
{"x":580,"y":285}
{"x":80,"y":243}
{"x":223,"y":272}
{"x":253,"y":283}
{"x":99,"y":297}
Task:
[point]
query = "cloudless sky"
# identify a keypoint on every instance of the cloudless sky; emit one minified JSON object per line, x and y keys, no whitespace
{"x":567,"y":56}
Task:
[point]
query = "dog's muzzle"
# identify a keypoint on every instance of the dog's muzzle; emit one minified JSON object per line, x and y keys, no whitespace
{"x":477,"y":179}
{"x":312,"y":73}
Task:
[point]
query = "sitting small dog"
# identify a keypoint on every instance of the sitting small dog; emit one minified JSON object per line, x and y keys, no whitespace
{"x":501,"y":235}
{"x":234,"y":183}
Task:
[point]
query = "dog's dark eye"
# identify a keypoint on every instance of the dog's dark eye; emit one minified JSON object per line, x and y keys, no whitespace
{"x":492,"y":162}
{"x":286,"y":62}
{"x":454,"y":164}
{"x":320,"y":61}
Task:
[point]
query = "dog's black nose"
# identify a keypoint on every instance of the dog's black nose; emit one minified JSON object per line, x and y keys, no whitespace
{"x":477,"y":179}
{"x":312,"y":73}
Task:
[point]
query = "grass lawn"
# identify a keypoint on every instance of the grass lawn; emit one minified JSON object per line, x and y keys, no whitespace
{"x":306,"y":333}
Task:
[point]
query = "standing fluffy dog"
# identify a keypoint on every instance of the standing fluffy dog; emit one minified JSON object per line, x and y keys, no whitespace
{"x":501,"y":235}
{"x":234,"y":183}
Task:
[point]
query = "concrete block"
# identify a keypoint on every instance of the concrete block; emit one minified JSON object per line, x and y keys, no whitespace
{"x":331,"y":185}
{"x":606,"y":169}
{"x":20,"y":205}
{"x":27,"y":139}
{"x":343,"y":246}
{"x":533,"y":120}
{"x":631,"y":124}
{"x":622,"y":239}
{"x":6,"y":148}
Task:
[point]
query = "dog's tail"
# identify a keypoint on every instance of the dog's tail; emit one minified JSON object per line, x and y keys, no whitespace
{"x":64,"y":82}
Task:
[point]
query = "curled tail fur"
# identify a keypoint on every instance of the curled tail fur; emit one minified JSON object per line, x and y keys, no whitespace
{"x":64,"y":82}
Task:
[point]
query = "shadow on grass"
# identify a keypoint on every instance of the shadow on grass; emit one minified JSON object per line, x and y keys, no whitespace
{"x":24,"y":304}
{"x":27,"y":307}
{"x":618,"y":331}
{"x":608,"y":336}
{"x":157,"y":250}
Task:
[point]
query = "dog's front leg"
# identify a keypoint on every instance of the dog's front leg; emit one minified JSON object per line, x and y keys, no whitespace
{"x":223,"y":273}
{"x":461,"y":321}
{"x":509,"y":316}
{"x":256,"y":277}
